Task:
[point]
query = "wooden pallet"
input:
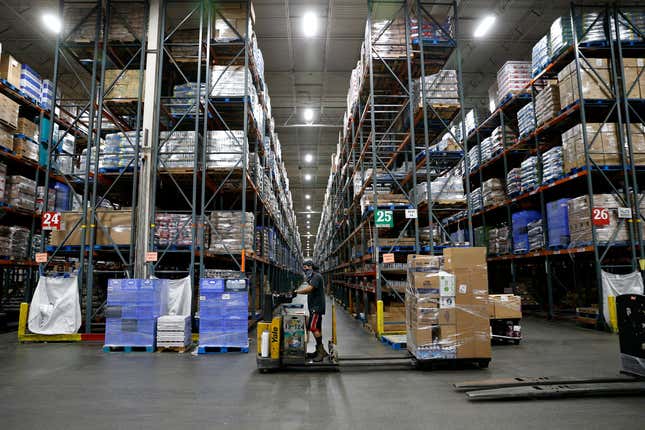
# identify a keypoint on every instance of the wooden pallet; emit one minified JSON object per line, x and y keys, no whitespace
{"x":177,"y":349}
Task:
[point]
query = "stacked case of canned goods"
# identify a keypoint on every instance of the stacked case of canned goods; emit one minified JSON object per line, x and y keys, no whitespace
{"x":226,"y":148}
{"x":547,"y":103}
{"x":530,"y":174}
{"x":552,"y":164}
{"x":526,"y":119}
{"x":228,"y":231}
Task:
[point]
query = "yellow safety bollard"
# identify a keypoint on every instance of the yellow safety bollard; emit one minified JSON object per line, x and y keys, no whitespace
{"x":380,"y":326}
{"x":613,"y":318}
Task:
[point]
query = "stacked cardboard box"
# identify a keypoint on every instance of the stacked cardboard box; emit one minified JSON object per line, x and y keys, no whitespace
{"x":177,"y":150}
{"x":557,"y":220}
{"x":637,"y":135}
{"x":133,"y":306}
{"x":126,"y":84}
{"x":25,"y":148}
{"x":505,"y":306}
{"x":440,"y":89}
{"x":223,"y":313}
{"x":391,"y":43}
{"x":602,"y":146}
{"x":446,"y":188}
{"x":233,"y":21}
{"x":580,"y":222}
{"x":431,"y":29}
{"x":30,"y":82}
{"x":393,"y":316}
{"x":634,"y":77}
{"x":14,"y":241}
{"x":10,"y":69}
{"x":512,"y":78}
{"x":6,"y":137}
{"x":21,"y":192}
{"x":547,"y":103}
{"x":27,"y":128}
{"x":228,"y":231}
{"x":596,"y":83}
{"x":8,"y":112}
{"x":111,"y":227}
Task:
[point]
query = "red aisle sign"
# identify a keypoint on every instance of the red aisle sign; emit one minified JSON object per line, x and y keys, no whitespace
{"x":51,"y":221}
{"x":600,"y":216}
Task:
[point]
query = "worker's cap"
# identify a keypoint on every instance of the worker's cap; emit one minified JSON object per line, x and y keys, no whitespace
{"x":308,"y":263}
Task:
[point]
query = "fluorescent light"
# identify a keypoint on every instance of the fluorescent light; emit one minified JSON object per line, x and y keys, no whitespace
{"x":308,"y":157}
{"x":310,"y":24}
{"x":307,"y":196}
{"x":308,"y":177}
{"x":52,"y":22}
{"x":308,"y":115}
{"x":308,"y":216}
{"x":308,"y":208}
{"x":484,"y":26}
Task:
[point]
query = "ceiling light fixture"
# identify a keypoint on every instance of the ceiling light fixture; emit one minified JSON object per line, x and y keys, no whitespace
{"x":310,"y":24}
{"x":308,"y":215}
{"x":308,"y":177}
{"x":307,"y":196}
{"x":309,"y":158}
{"x":308,"y":115}
{"x":52,"y":22}
{"x":308,"y":207}
{"x":484,"y":26}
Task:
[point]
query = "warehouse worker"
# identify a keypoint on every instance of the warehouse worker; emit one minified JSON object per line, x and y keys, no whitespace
{"x":316,"y":302}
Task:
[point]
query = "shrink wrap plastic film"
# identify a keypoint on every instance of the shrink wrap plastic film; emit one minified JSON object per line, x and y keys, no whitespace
{"x":447,"y":314}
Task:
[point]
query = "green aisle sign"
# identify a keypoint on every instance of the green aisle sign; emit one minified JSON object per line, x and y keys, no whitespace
{"x":384,"y":218}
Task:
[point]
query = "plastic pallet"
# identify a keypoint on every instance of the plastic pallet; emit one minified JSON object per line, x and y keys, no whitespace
{"x":115,"y":169}
{"x":221,"y":349}
{"x":394,"y":342}
{"x":113,"y":348}
{"x":10,"y":85}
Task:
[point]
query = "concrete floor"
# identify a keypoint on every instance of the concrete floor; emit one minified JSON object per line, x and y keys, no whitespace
{"x":77,"y":386}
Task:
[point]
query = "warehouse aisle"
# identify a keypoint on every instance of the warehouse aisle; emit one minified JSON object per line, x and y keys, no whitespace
{"x":71,"y":386}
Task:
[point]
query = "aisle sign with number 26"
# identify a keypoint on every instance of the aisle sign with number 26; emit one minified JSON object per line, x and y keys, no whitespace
{"x":600,"y":216}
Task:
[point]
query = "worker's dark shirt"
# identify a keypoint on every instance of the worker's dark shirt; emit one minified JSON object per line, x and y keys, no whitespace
{"x":316,"y":299}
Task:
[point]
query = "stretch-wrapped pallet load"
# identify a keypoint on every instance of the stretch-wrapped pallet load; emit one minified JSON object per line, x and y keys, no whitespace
{"x":447,"y":305}
{"x":118,"y":149}
{"x":223,"y":313}
{"x":608,"y":226}
{"x":133,"y":306}
{"x":30,"y":82}
{"x":535,"y":234}
{"x":3,"y":181}
{"x":127,"y":22}
{"x":602,"y":145}
{"x":552,"y":164}
{"x":233,"y":21}
{"x":475,"y":199}
{"x":560,"y":35}
{"x":173,"y":331}
{"x":125,"y":84}
{"x":184,"y":99}
{"x":526,"y":120}
{"x":499,"y":240}
{"x":27,"y":128}
{"x":486,"y":149}
{"x":595,"y":79}
{"x":557,"y":222}
{"x":493,"y":192}
{"x":447,"y":144}
{"x":514,"y":182}
{"x":637,"y":135}
{"x":40,"y":198}
{"x":547,"y":103}
{"x":113,"y":228}
{"x":14,"y":241}
{"x":634,"y":77}
{"x":177,"y":150}
{"x":590,"y":27}
{"x":21,"y":192}
{"x":25,"y":147}
{"x":226,"y":148}
{"x":228,"y":231}
{"x":492,"y":96}
{"x":47,"y":94}
{"x":173,"y":229}
{"x":521,"y":221}
{"x":471,"y":121}
{"x":431,"y":30}
{"x":629,"y":24}
{"x":512,"y":78}
{"x":229,"y":81}
{"x":473,"y":158}
{"x":540,"y":55}
{"x":441,"y":89}
{"x":530,"y":174}
{"x":8,"y":112}
{"x":390,"y":44}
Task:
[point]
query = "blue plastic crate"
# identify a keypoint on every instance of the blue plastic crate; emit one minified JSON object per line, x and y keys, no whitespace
{"x":520,"y":229}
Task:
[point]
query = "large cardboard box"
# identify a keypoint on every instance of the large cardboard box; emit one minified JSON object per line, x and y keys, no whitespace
{"x":506,"y":306}
{"x":126,"y":85}
{"x":464,"y":258}
{"x":10,"y":69}
{"x":634,"y":77}
{"x":117,"y":227}
{"x":8,"y":112}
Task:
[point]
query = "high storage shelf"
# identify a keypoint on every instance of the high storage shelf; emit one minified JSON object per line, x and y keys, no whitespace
{"x":195,"y":37}
{"x":566,"y":277}
{"x":386,"y":141}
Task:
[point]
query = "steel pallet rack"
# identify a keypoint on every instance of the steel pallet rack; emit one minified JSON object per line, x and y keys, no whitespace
{"x":563,"y":268}
{"x":386,"y":143}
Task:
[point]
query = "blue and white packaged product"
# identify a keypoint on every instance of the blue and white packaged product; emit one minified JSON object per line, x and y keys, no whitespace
{"x":30,"y":82}
{"x":526,"y":119}
{"x":536,"y":235}
{"x":552,"y":167}
{"x":223,"y":313}
{"x":47,"y":94}
{"x":530,"y":176}
{"x":540,"y":55}
{"x":521,"y":221}
{"x":514,"y":182}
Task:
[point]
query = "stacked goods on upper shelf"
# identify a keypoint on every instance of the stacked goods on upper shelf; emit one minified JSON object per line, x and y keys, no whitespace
{"x":602,"y":146}
{"x":514,"y":182}
{"x":178,"y":150}
{"x":439,"y":89}
{"x":125,"y":84}
{"x":473,"y":158}
{"x":448,"y":188}
{"x":228,"y":231}
{"x":560,"y":35}
{"x":447,"y":144}
{"x":126,"y":22}
{"x":447,"y":305}
{"x":493,"y":192}
{"x":499,"y":240}
{"x":594,"y":77}
{"x":526,"y":120}
{"x":552,"y":164}
{"x":521,"y":221}
{"x":183,"y":100}
{"x":547,"y":103}
{"x":512,"y":78}
{"x":225,"y":149}
{"x":8,"y":113}
{"x":634,"y":77}
{"x":10,"y":69}
{"x":540,"y":55}
{"x":475,"y":199}
{"x":133,"y":306}
{"x":21,"y":192}
{"x":535,"y":235}
{"x":530,"y":174}
{"x":25,"y":138}
{"x":47,"y":94}
{"x":174,"y":229}
{"x":557,"y":221}
{"x":471,"y":121}
{"x":113,"y":227}
{"x":3,"y":181}
{"x":492,"y":96}
{"x":40,"y":198}
{"x":223,"y":313}
{"x":500,"y":135}
{"x":14,"y":242}
{"x":30,"y":83}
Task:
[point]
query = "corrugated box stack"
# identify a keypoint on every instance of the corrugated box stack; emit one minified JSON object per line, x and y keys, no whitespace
{"x":521,"y":221}
{"x":530,"y":175}
{"x":552,"y":164}
{"x":505,"y":306}
{"x":637,"y":135}
{"x":226,"y":148}
{"x":126,"y":22}
{"x":228,"y":81}
{"x":499,"y":240}
{"x":440,"y":89}
{"x":447,"y":313}
{"x":133,"y":306}
{"x":603,"y":146}
{"x":21,"y":192}
{"x":6,"y":137}
{"x":231,"y":21}
{"x":8,"y":112}
{"x":557,"y":221}
{"x":526,"y":119}
{"x":547,"y":103}
{"x":14,"y":241}
{"x":126,"y":84}
{"x":391,"y":43}
{"x":595,"y":81}
{"x":30,"y":83}
{"x":580,"y":222}
{"x":223,"y":313}
{"x":512,"y":78}
{"x":10,"y":69}
{"x":112,"y":227}
{"x":493,"y":192}
{"x":227,"y":231}
{"x":173,"y":331}
{"x":634,"y":77}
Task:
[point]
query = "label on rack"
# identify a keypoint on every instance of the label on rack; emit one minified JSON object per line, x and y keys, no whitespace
{"x":151,"y":256}
{"x":41,"y":257}
{"x":410,"y":213}
{"x":388,"y":258}
{"x":384,"y":218}
{"x":624,"y":213}
{"x":600,"y":216}
{"x":51,"y":221}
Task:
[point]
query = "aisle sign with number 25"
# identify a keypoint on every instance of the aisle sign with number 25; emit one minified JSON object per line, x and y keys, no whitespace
{"x":600,"y":216}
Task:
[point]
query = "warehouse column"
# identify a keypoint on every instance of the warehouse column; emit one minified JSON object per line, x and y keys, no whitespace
{"x":150,"y":137}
